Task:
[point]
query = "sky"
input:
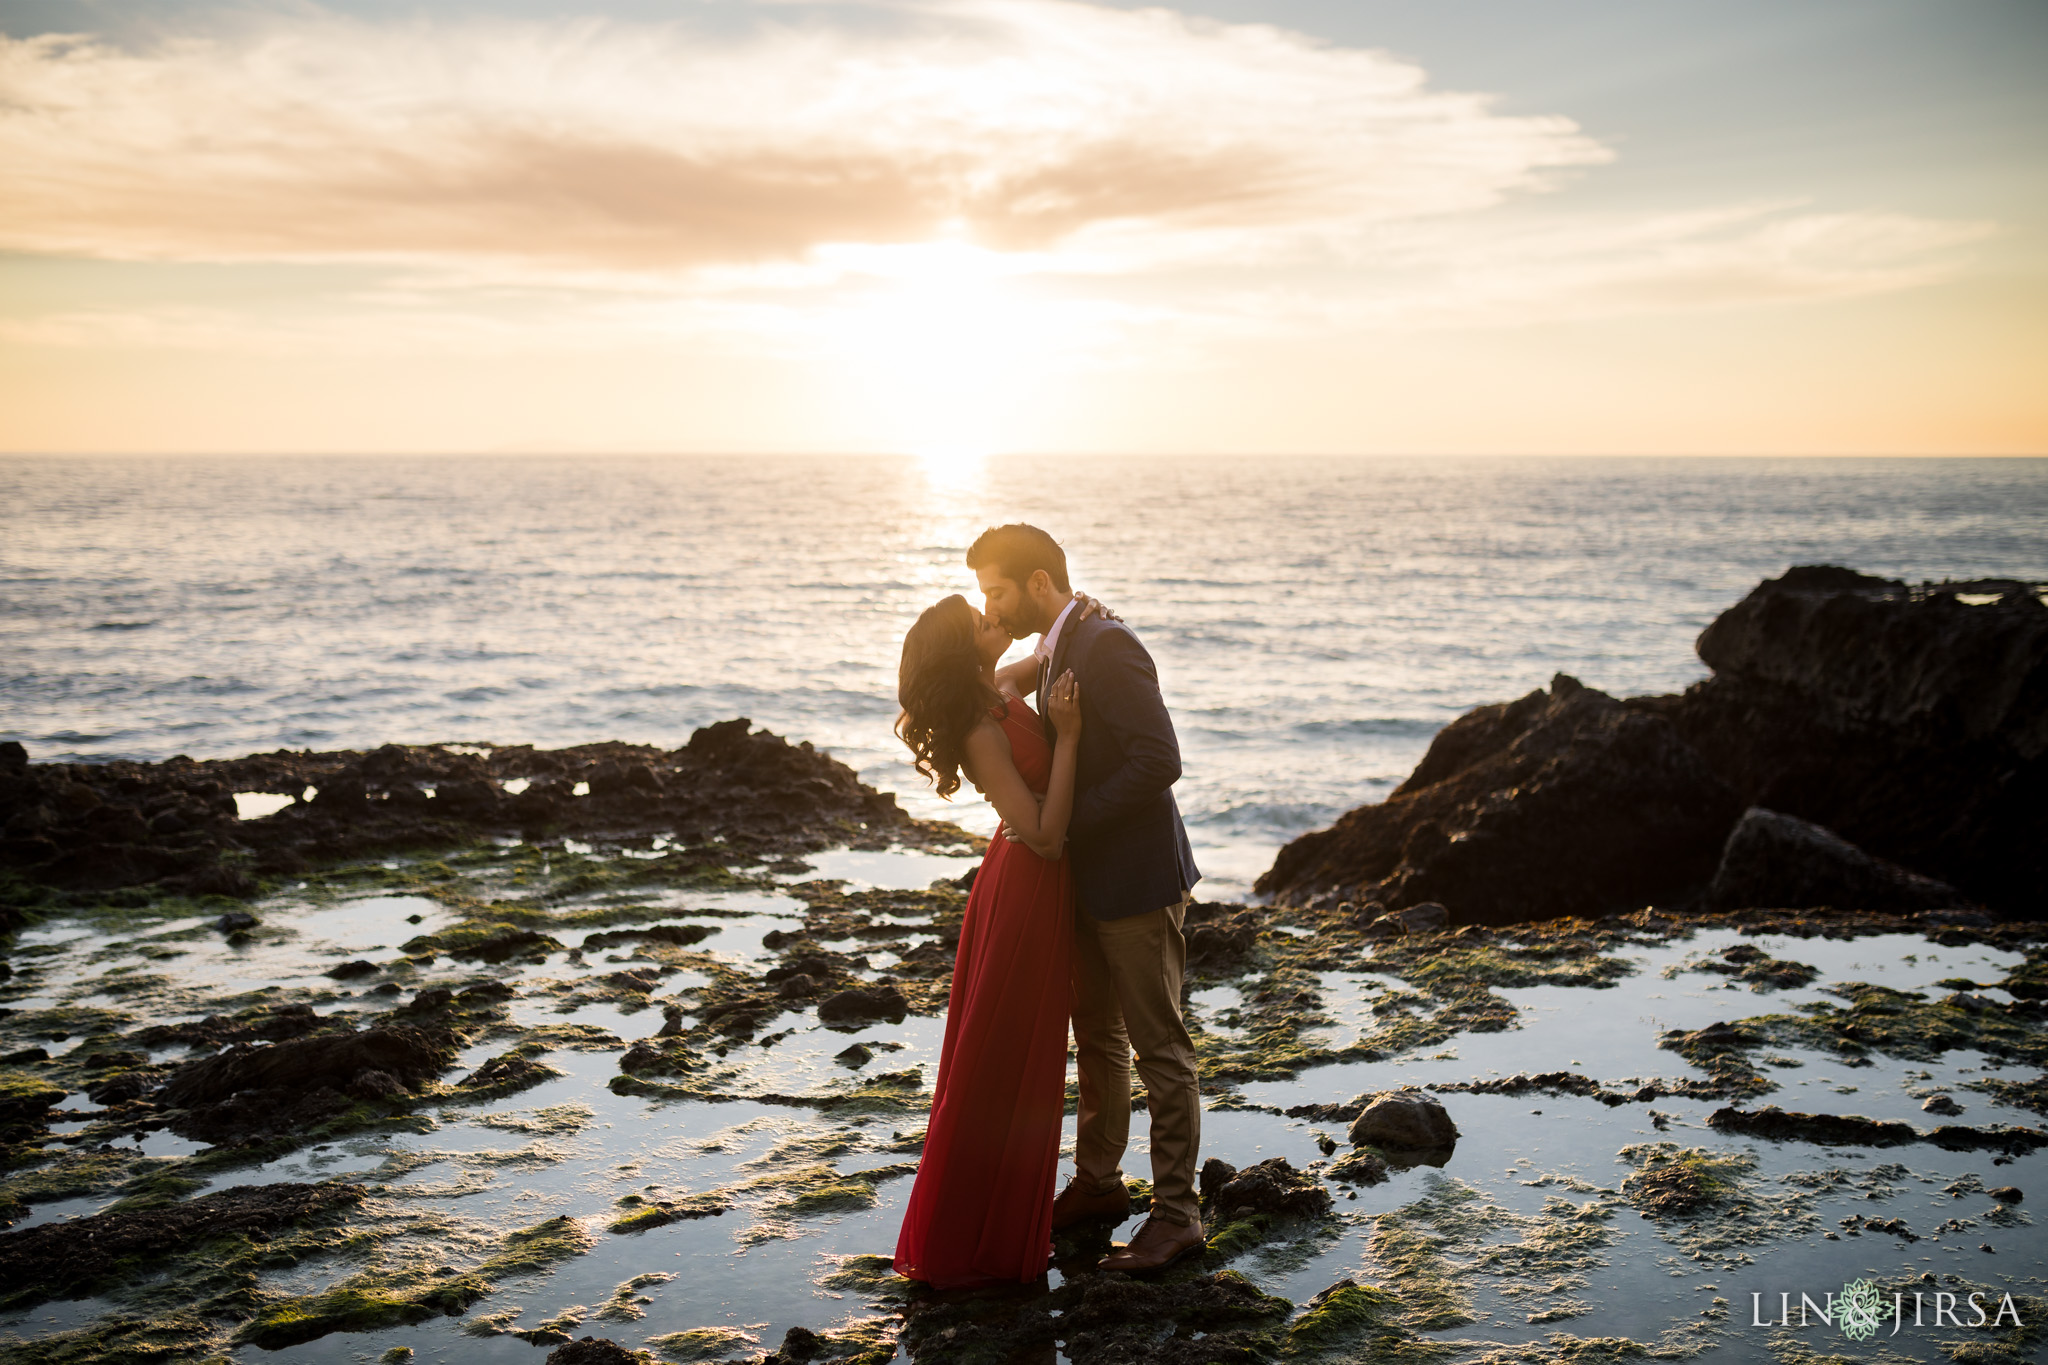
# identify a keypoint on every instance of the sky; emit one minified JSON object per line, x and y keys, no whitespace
{"x":962,"y":228}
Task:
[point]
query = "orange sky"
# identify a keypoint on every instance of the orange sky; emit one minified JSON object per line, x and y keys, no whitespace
{"x":972,"y":226}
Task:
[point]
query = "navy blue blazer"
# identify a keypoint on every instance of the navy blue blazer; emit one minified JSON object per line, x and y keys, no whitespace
{"x":1125,"y":841}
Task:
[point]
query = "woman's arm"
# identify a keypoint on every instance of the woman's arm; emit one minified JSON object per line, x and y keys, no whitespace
{"x":1019,"y":679}
{"x":1039,"y":826}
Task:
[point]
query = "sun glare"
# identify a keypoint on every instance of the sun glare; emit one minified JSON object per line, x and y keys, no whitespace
{"x":947,"y":349}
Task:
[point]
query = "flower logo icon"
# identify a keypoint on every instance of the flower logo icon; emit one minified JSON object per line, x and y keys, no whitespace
{"x":1858,"y":1310}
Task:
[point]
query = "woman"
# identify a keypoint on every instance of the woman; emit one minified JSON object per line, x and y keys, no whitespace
{"x":981,"y":1210}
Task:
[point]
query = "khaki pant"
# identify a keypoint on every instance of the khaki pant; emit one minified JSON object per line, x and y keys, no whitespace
{"x":1127,"y":980}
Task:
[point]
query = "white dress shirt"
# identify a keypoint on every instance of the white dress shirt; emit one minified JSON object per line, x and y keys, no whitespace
{"x":1047,"y":644}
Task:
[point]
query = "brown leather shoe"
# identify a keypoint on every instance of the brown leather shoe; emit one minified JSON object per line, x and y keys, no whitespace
{"x":1158,"y":1243}
{"x":1076,"y":1205}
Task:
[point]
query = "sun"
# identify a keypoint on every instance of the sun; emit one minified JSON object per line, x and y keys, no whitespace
{"x":948,"y":349}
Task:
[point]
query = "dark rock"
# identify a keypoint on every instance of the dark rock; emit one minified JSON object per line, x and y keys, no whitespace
{"x":856,"y":1056}
{"x":682,"y":935}
{"x":1404,"y":1118}
{"x":1782,"y":861}
{"x":427,"y":1001}
{"x":1944,"y":1105}
{"x":286,"y":1087}
{"x":509,"y":1072}
{"x":592,"y":1351}
{"x":1271,"y":1187}
{"x":638,"y":980}
{"x":1912,"y":724}
{"x":1361,"y":1167}
{"x":864,"y":1004}
{"x":349,"y":971}
{"x":1830,"y":1129}
{"x":78,"y":1251}
{"x":130,"y":824}
{"x":1562,"y":803}
{"x":235,"y":920}
{"x":2006,"y":1194}
{"x":124,"y":1088}
{"x":1220,"y":938}
{"x":13,"y":757}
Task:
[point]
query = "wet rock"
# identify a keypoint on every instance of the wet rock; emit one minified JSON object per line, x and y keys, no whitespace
{"x":1781,"y":860}
{"x":1404,"y":1119}
{"x":2006,"y":1194}
{"x":1562,"y":803}
{"x":105,"y":826}
{"x":682,"y":935}
{"x":13,"y":757}
{"x":349,"y":971}
{"x":280,"y":1022}
{"x":594,"y":1351}
{"x":125,"y":1088}
{"x":1119,"y":1318}
{"x":287,"y":1087}
{"x":1674,"y":1185}
{"x":235,"y":920}
{"x":637,"y":980}
{"x":1220,"y":938}
{"x":864,"y":1004}
{"x":855,"y":1057}
{"x":1902,"y":731}
{"x":427,"y":1001}
{"x":1830,"y":1129}
{"x":798,"y":987}
{"x":504,"y":1074}
{"x":1944,"y":1105}
{"x":1909,"y":722}
{"x":79,"y":1251}
{"x":1747,"y":962}
{"x":1361,"y":1167}
{"x":1271,"y":1187}
{"x":1896,"y":1227}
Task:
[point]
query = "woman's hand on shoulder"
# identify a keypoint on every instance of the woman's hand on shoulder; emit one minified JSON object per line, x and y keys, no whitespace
{"x":1063,"y":703}
{"x":1091,"y":607}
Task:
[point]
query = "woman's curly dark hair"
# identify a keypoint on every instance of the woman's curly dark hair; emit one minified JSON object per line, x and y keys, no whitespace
{"x":940,"y":687}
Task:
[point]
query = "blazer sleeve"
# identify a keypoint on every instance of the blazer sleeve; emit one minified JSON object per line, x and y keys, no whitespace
{"x":1121,"y":693}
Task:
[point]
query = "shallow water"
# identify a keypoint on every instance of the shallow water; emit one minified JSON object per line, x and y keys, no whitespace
{"x":572,"y":1146}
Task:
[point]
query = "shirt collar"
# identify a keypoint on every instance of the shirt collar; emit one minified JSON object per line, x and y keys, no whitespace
{"x":1050,"y":641}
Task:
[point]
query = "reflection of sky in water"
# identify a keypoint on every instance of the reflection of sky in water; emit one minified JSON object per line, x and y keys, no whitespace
{"x":749,"y":1271}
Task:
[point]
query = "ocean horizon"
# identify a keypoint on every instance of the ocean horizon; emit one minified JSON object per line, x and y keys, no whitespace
{"x":1315,"y":620}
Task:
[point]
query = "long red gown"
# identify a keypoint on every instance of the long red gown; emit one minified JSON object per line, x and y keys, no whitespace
{"x":981,"y":1210}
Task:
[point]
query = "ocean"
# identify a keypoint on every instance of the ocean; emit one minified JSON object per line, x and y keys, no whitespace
{"x":1315,"y":621}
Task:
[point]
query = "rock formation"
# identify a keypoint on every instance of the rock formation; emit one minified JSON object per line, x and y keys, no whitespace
{"x":1887,"y":743}
{"x":99,"y":827}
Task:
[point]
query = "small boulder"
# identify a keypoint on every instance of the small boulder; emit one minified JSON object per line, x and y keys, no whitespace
{"x":864,"y":1003}
{"x":1781,"y":861}
{"x":2006,"y":1194}
{"x":1271,"y":1187}
{"x":235,"y":921}
{"x":1404,"y":1119}
{"x":1944,"y":1105}
{"x":349,"y":971}
{"x":593,"y":1351}
{"x":1426,"y":918}
{"x":856,"y":1057}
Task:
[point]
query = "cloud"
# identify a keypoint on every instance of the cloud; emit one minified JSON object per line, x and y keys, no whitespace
{"x":1023,"y":125}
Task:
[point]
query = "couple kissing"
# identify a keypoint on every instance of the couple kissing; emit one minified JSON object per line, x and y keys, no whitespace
{"x":1075,"y":917}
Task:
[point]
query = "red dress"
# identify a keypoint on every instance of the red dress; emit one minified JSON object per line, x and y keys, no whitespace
{"x":981,"y":1210}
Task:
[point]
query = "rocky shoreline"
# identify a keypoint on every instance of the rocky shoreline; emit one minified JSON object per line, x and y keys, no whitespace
{"x":1559,"y":842}
{"x":1862,"y":744}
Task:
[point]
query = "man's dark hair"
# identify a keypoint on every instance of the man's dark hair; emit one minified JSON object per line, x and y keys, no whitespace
{"x":1017,"y":551}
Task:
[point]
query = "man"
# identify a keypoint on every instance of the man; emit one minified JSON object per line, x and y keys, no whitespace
{"x":1132,"y":871}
